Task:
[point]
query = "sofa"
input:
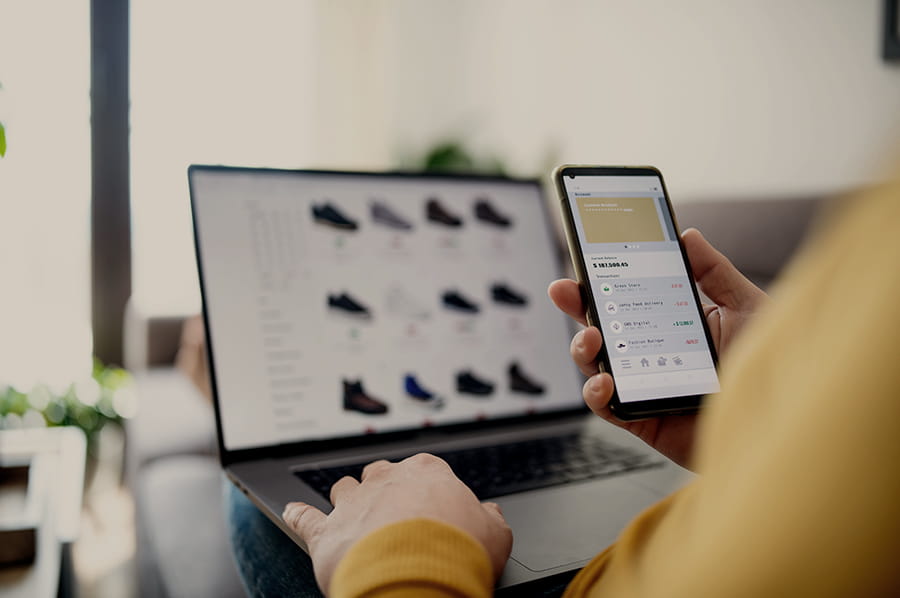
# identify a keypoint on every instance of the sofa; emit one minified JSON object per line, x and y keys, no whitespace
{"x":172,"y":467}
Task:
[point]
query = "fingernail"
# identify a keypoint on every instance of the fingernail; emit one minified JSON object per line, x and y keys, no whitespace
{"x":579,"y":340}
{"x":596,"y":384}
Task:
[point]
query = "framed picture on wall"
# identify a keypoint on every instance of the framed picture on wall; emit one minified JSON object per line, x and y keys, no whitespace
{"x":891,"y":30}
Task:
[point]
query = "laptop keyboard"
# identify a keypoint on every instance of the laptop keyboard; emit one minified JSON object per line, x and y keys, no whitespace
{"x":504,"y":469}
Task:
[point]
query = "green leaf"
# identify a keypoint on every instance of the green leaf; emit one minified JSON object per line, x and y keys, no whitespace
{"x":448,"y":156}
{"x":2,"y":141}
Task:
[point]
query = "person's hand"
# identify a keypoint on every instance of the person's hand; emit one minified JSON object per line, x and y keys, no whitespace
{"x":420,"y":486}
{"x":735,"y":301}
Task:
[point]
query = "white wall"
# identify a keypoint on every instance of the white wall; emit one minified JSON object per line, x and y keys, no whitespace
{"x":212,"y":82}
{"x":45,"y":191}
{"x":728,"y":97}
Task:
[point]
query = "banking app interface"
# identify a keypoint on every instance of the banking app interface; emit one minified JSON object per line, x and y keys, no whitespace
{"x":650,"y":322}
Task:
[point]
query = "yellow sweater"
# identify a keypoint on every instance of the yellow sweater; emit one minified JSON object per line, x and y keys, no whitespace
{"x":799,"y":455}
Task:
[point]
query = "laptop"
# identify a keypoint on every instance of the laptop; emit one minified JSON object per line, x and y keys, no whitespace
{"x":358,"y":316}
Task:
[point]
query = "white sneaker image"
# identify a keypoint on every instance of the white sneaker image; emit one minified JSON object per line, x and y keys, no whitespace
{"x":402,"y":304}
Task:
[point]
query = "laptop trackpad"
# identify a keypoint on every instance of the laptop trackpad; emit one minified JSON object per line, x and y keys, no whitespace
{"x":566,"y":525}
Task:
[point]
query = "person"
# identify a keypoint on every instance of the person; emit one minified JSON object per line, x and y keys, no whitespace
{"x":798,"y":488}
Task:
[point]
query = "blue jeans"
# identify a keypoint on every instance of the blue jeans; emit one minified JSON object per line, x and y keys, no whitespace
{"x":270,"y":564}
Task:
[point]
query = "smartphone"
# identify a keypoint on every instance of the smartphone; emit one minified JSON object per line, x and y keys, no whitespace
{"x":638,"y":287}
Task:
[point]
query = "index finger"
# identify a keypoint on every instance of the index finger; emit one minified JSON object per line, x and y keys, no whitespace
{"x":566,"y":295}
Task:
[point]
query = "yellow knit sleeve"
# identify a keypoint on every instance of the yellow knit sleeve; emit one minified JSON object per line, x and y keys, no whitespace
{"x":417,"y":557}
{"x":635,"y":535}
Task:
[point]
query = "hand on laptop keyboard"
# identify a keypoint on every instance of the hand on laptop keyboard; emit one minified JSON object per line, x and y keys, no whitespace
{"x":420,"y":486}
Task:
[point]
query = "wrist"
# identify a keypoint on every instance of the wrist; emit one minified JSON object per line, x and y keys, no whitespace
{"x":422,"y":557}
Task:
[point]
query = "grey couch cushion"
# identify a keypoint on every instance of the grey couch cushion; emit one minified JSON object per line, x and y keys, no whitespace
{"x":758,"y":236}
{"x":183,"y":544}
{"x":173,"y":419}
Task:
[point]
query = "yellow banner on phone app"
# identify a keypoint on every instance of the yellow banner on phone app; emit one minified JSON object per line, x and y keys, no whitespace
{"x":619,"y":219}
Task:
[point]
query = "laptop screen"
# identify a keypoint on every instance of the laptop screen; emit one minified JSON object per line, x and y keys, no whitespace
{"x":343,"y":304}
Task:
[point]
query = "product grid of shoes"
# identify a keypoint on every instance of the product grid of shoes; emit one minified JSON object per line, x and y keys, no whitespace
{"x":400,"y":301}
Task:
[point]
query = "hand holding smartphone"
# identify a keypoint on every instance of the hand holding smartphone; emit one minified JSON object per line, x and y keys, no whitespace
{"x":638,"y":288}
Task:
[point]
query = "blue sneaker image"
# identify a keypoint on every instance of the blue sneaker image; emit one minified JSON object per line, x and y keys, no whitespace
{"x":420,"y":395}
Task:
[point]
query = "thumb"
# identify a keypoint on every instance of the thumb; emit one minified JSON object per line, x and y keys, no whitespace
{"x":715,"y":274}
{"x":306,"y":520}
{"x":493,"y":510}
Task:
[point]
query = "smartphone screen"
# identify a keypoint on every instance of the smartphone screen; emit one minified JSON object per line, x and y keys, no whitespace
{"x":629,"y":258}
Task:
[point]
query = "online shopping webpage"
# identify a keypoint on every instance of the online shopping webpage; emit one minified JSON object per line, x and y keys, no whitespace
{"x":348,"y":305}
{"x":650,"y":322}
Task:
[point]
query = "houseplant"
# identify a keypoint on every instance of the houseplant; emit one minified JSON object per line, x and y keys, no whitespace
{"x":106,"y":397}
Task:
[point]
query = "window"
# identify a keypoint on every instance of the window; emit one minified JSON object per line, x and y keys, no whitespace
{"x":45,"y":192}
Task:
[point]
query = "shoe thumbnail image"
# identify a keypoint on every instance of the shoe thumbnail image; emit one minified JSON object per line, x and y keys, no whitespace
{"x":436,"y":213}
{"x":384,"y":215}
{"x":485,"y":212}
{"x":327,"y":214}
{"x":456,"y":301}
{"x":469,"y":383}
{"x":356,"y":399}
{"x":501,"y":293}
{"x":420,"y":395}
{"x":400,"y":303}
{"x":520,"y":382}
{"x":348,"y":306}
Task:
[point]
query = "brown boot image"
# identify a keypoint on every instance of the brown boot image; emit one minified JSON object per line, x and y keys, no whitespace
{"x":356,"y":399}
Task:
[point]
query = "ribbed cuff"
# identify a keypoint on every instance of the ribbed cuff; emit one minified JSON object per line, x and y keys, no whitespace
{"x":416,"y":557}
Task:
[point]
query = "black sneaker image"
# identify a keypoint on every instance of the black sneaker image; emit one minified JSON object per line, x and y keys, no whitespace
{"x":521,"y":383}
{"x":356,"y":399}
{"x":485,"y":212}
{"x":383,"y":214}
{"x":503,"y":294}
{"x":468,"y":383}
{"x":436,"y":213}
{"x":348,"y":306}
{"x":329,"y":215}
{"x":455,"y":301}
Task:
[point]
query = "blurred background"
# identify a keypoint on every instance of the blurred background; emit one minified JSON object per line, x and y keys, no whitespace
{"x":105,"y":103}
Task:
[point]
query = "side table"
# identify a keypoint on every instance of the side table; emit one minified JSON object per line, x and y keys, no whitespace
{"x":57,"y":459}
